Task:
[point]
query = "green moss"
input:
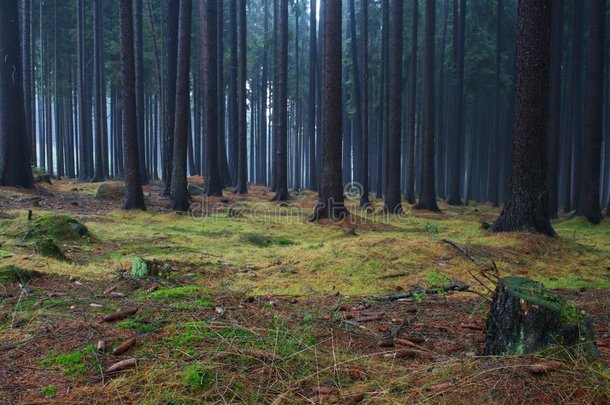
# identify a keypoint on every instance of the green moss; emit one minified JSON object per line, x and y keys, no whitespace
{"x":72,"y":364}
{"x":49,"y":391}
{"x":198,"y":377}
{"x":5,"y":253}
{"x":46,"y":247}
{"x":177,"y":293}
{"x":263,"y":241}
{"x":536,"y":293}
{"x":58,"y":227}
{"x":140,"y":326}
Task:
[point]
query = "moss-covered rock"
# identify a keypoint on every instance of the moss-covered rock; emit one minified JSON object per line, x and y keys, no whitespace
{"x":110,"y":191}
{"x":58,"y":227}
{"x":46,"y":247}
{"x":526,"y":317}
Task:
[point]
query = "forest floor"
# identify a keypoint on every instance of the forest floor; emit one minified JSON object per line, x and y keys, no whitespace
{"x":256,"y":305}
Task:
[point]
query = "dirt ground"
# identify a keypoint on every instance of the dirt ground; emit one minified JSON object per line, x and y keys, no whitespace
{"x":208,"y":333}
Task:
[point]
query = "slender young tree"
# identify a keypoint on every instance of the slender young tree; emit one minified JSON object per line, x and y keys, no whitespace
{"x":410,"y":158}
{"x":331,"y":204}
{"x":526,"y":207}
{"x":392,"y":197}
{"x":364,"y":13}
{"x":14,"y":144}
{"x":589,"y":197}
{"x":82,"y":97}
{"x":496,"y":138}
{"x":179,"y":198}
{"x":209,"y":52}
{"x":281,"y":92}
{"x":134,"y":198}
{"x":242,"y":153}
{"x":427,"y":197}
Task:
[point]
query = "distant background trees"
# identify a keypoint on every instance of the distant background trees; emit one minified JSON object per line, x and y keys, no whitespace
{"x":267,"y":86}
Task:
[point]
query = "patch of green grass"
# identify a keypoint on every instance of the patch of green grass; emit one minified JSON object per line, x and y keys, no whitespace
{"x":140,"y":326}
{"x":198,"y":377}
{"x":176,"y":293}
{"x":263,"y":241}
{"x":49,"y":391}
{"x":72,"y":364}
{"x":5,"y":253}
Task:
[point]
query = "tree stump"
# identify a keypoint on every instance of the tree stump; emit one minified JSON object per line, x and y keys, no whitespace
{"x":525,"y":317}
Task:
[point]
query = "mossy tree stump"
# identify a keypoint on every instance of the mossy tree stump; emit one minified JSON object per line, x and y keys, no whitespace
{"x":525,"y":317}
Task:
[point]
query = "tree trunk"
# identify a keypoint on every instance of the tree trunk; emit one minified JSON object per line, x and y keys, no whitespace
{"x":331,"y":204}
{"x":233,"y":93}
{"x":134,"y":198}
{"x":242,"y":153}
{"x":427,"y":198}
{"x":410,"y":158}
{"x":525,"y":318}
{"x":454,"y":195}
{"x":393,"y":195}
{"x":526,"y":208}
{"x":555,"y":106}
{"x":140,"y":110}
{"x":281,"y":192}
{"x":170,"y":34}
{"x":26,"y":61}
{"x":179,"y":195}
{"x":364,"y":43}
{"x":209,"y":17}
{"x":14,"y":144}
{"x":589,"y":196}
{"x":495,"y":138}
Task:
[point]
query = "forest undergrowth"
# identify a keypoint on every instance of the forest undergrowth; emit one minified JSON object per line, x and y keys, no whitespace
{"x":251,"y":303}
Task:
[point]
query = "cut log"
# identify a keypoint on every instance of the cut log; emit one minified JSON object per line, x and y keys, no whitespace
{"x":525,"y":317}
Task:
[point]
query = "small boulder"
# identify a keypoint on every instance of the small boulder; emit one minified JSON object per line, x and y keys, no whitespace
{"x":110,"y":191}
{"x":58,"y":227}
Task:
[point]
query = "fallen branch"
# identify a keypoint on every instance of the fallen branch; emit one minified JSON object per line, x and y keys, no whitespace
{"x":461,"y":249}
{"x":458,"y":287}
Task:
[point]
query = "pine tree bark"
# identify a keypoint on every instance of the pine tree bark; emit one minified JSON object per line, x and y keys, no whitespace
{"x":14,"y":144}
{"x":208,"y":15}
{"x":139,"y":49}
{"x":26,"y":61}
{"x":170,"y":33}
{"x":134,"y":198}
{"x":331,"y":204}
{"x":98,"y":84}
{"x":555,"y":107}
{"x":233,"y":93}
{"x":242,"y":154}
{"x":364,"y":43}
{"x":495,"y":139}
{"x":427,"y":198}
{"x":526,"y":208}
{"x":410,"y":158}
{"x":589,"y":197}
{"x":393,"y":195}
{"x":454,"y":194}
{"x":179,"y":199}
{"x":281,"y":172}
